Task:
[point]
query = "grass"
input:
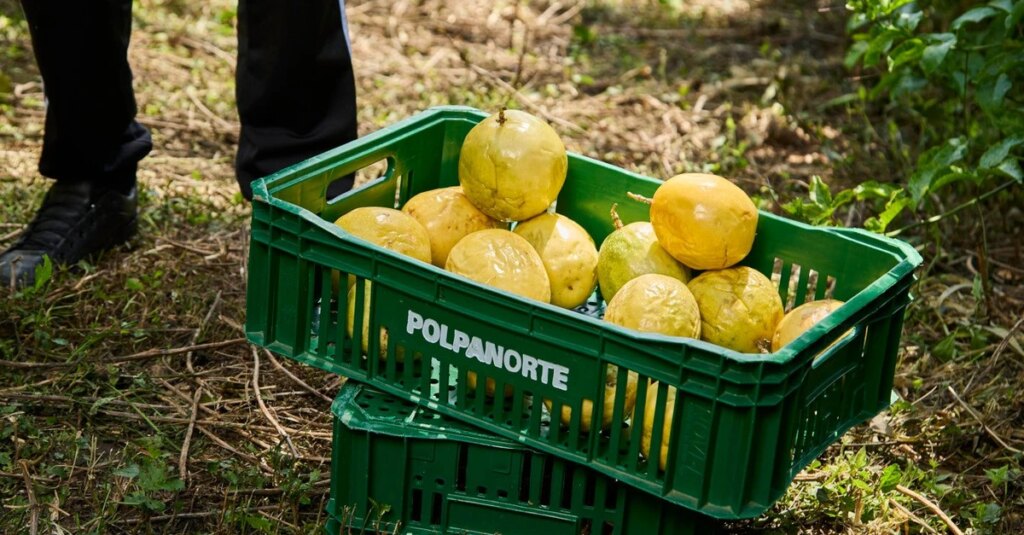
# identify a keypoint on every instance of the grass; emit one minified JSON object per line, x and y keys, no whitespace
{"x":103,"y":367}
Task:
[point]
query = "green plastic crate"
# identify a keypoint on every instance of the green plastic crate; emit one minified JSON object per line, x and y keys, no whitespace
{"x":437,"y":475}
{"x":744,"y":425}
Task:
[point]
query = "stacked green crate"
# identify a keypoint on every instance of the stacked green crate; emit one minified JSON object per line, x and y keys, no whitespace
{"x":399,"y":467}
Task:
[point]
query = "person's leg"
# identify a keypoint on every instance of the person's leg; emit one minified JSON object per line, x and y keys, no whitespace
{"x":294,"y":84}
{"x":82,"y":52}
{"x":91,"y":141}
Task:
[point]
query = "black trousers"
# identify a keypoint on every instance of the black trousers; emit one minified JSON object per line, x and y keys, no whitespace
{"x":295,"y":88}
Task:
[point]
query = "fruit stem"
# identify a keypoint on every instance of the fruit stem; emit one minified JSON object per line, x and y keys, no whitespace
{"x":616,"y":221}
{"x":501,"y":116}
{"x":638,"y":197}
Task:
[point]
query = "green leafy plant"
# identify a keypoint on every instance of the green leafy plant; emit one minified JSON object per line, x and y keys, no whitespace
{"x":952,"y":77}
{"x":953,"y":72}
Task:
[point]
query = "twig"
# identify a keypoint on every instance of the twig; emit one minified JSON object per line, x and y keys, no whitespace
{"x":1006,"y":341}
{"x":191,"y":93}
{"x":276,"y":490}
{"x":11,"y":235}
{"x":524,"y":99}
{"x":201,"y":514}
{"x":954,"y":210}
{"x":199,"y":330}
{"x":977,"y":417}
{"x":32,"y":505}
{"x":183,"y":459}
{"x":152,"y":353}
{"x":813,"y":476}
{"x":263,"y":406}
{"x":917,"y":520}
{"x":932,"y":507}
{"x":300,"y":382}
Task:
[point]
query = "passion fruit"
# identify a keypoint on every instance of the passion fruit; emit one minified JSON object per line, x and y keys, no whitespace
{"x":704,"y":221}
{"x":512,"y":165}
{"x":448,"y":216}
{"x":387,"y":228}
{"x":800,"y":319}
{"x":649,"y":303}
{"x":650,"y":405}
{"x":658,"y":304}
{"x":739,"y":308}
{"x":630,"y":251}
{"x":569,"y":256}
{"x":502,"y":259}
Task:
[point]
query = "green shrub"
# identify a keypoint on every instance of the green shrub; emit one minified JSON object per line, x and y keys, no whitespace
{"x":953,"y":74}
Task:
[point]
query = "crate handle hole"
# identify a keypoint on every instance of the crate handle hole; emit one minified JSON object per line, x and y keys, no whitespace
{"x":377,"y":171}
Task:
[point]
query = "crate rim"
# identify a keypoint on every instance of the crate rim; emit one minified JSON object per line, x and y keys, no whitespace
{"x":909,"y":259}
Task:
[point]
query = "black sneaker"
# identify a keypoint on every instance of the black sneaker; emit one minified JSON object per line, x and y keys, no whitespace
{"x":76,"y":220}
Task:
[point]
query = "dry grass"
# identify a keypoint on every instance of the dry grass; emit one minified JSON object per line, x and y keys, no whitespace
{"x":113,"y":374}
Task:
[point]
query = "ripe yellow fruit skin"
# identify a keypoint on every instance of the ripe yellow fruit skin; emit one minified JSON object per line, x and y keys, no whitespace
{"x":631,"y":251}
{"x":704,"y":221}
{"x":512,"y":169}
{"x":569,"y":256}
{"x":739,"y":308}
{"x":502,"y":259}
{"x":800,"y":319}
{"x":650,"y":405}
{"x":656,"y":303}
{"x":387,"y":228}
{"x":448,"y":216}
{"x":649,"y":303}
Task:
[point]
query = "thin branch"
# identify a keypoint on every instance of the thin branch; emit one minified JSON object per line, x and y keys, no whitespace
{"x":954,"y":210}
{"x":984,"y":426}
{"x":932,"y":507}
{"x":32,"y":504}
{"x":153,"y":353}
{"x":199,"y":331}
{"x":183,"y":458}
{"x":910,"y":515}
{"x":263,"y":406}
{"x":300,"y":382}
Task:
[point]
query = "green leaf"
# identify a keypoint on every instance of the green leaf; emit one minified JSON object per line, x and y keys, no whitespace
{"x":131,"y":471}
{"x":96,"y":407}
{"x":998,"y":476}
{"x":909,"y":21}
{"x":1015,"y":15}
{"x":1005,"y":5}
{"x":945,"y":350}
{"x":991,"y":513}
{"x":1012,"y":169}
{"x":259,"y":523}
{"x":891,"y":476}
{"x":133,"y":284}
{"x":974,"y":15}
{"x":854,"y":54}
{"x":933,"y":55}
{"x":820,"y":193}
{"x":932,"y":162}
{"x":996,"y":154}
{"x":1003,"y":84}
{"x":140,"y":499}
{"x":897,"y":203}
{"x":878,"y":46}
{"x":907,"y":52}
{"x":43,"y":272}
